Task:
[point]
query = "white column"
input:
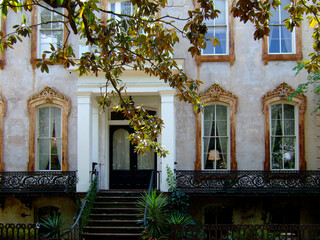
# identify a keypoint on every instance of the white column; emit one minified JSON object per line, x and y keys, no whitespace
{"x":168,"y":137}
{"x":84,"y":140}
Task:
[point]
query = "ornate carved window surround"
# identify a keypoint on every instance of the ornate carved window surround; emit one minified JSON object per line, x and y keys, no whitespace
{"x":280,"y":94}
{"x":48,"y":96}
{"x":217,"y":94}
{"x":220,"y":58}
{"x":3,"y":108}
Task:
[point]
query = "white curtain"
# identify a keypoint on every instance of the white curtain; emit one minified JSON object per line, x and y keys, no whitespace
{"x":146,"y":161}
{"x":56,"y":142}
{"x":121,"y":150}
{"x":222,"y":134}
{"x":209,"y":122}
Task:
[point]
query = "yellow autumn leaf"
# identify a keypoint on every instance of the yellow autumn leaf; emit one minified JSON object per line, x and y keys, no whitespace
{"x":313,"y":23}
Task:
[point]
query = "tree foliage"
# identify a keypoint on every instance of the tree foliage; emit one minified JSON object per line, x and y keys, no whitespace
{"x":145,"y":41}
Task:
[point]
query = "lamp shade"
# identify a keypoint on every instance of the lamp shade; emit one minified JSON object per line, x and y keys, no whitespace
{"x":214,"y":155}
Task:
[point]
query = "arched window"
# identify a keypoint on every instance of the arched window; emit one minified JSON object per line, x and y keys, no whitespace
{"x":284,"y":129}
{"x":48,"y":130}
{"x":215,"y":126}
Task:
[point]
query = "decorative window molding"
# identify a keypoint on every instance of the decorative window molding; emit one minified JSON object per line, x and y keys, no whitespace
{"x":216,"y":94}
{"x":3,"y":109}
{"x":35,"y":45}
{"x":48,"y":96}
{"x":3,"y":30}
{"x":230,"y":56}
{"x":280,"y":95}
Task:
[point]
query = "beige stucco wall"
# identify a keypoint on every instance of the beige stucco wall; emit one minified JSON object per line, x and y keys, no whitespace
{"x":16,"y":211}
{"x":248,"y":78}
{"x":19,"y":81}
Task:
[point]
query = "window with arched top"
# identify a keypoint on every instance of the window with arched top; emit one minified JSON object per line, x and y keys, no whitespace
{"x":284,"y":129}
{"x":48,"y":130}
{"x":215,"y":130}
{"x":3,"y":106}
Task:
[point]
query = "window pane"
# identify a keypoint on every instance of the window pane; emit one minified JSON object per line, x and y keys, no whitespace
{"x":126,"y":8}
{"x":209,"y":112}
{"x":209,"y":128}
{"x":274,"y":19}
{"x":146,"y":161}
{"x":56,"y":145}
{"x":121,"y":150}
{"x":274,"y":41}
{"x":44,"y":151}
{"x":221,"y":5}
{"x":289,"y":153}
{"x":55,"y":122}
{"x":288,"y":111}
{"x":45,"y":16}
{"x":286,"y":40}
{"x":221,"y":34}
{"x":44,"y":122}
{"x":209,"y":46}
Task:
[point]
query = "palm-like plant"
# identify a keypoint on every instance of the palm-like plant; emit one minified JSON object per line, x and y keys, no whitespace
{"x":156,"y":215}
{"x":54,"y":225}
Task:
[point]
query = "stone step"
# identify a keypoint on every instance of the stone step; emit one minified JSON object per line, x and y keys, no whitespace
{"x":111,"y":236}
{"x":113,"y":229}
{"x":114,"y":222}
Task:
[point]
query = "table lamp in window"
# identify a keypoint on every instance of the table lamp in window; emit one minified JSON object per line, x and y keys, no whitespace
{"x":214,"y":155}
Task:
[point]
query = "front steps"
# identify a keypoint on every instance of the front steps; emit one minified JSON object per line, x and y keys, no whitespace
{"x":115,"y":215}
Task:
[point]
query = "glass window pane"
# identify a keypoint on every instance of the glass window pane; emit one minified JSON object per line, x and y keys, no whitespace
{"x":209,"y":112}
{"x":274,"y":19}
{"x":146,"y":161}
{"x":288,"y":111}
{"x":221,"y":34}
{"x":43,"y":151}
{"x":221,"y":5}
{"x":274,"y":41}
{"x":289,"y":127}
{"x":121,"y":150}
{"x":209,"y":46}
{"x":276,"y":111}
{"x":43,"y":122}
{"x":126,"y":8}
{"x":55,"y":122}
{"x":209,"y":128}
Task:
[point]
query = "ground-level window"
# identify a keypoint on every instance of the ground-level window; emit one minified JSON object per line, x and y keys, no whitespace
{"x":218,"y":215}
{"x":283,"y":135}
{"x":215,"y":137}
{"x":49,"y":138}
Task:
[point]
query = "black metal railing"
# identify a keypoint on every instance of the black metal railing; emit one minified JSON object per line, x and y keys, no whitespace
{"x":249,"y":182}
{"x":38,"y":182}
{"x":19,"y":231}
{"x":74,"y":232}
{"x":247,"y":232}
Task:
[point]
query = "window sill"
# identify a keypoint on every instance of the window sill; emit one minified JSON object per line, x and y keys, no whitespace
{"x":215,"y":58}
{"x":281,"y":57}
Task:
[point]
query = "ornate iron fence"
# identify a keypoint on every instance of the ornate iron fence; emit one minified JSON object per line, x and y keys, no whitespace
{"x":249,"y":182}
{"x":19,"y":231}
{"x":247,"y":232}
{"x":38,"y":182}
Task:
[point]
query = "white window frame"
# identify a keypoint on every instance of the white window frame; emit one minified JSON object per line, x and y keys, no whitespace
{"x":37,"y":136}
{"x":219,"y":26}
{"x":39,"y":29}
{"x":281,"y":24}
{"x":228,"y":141}
{"x":296,"y":136}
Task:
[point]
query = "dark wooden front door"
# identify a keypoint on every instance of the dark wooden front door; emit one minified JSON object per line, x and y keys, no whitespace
{"x":127,"y":169}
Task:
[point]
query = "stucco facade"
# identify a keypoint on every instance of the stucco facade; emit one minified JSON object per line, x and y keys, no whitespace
{"x":248,"y":77}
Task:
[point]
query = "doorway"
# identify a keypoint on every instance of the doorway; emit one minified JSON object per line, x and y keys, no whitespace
{"x":128,"y":170}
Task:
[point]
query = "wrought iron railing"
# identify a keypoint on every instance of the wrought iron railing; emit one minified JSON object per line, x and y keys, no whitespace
{"x":249,"y":182}
{"x":38,"y":182}
{"x":19,"y":231}
{"x":247,"y":232}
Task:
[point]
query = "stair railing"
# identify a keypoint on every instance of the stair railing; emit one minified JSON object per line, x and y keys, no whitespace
{"x":74,"y":230}
{"x":149,"y":191}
